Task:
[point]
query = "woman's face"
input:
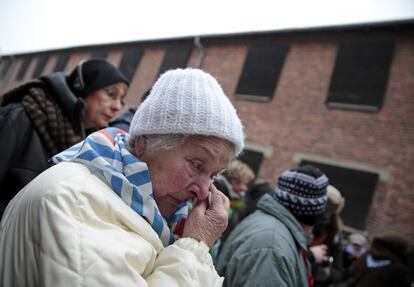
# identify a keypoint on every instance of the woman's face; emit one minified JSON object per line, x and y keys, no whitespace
{"x":102,"y":105}
{"x":185,"y":172}
{"x":240,"y":187}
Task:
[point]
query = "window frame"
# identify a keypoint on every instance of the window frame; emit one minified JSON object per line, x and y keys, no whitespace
{"x":130,"y":55}
{"x":175,"y":57}
{"x":258,"y":61}
{"x":348,"y":88}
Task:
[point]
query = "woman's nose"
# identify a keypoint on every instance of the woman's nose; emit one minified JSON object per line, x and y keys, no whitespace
{"x":244,"y":188}
{"x":204,"y":187}
{"x":116,"y":105}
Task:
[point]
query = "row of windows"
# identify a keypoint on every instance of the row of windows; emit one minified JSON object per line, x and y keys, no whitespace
{"x":175,"y":57}
{"x":359,"y":78}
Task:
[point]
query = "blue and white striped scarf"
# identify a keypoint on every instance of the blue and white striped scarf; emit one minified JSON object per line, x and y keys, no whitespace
{"x":105,"y":154}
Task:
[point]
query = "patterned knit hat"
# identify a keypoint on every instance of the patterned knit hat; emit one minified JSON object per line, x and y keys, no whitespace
{"x":188,"y":101}
{"x":303,"y":192}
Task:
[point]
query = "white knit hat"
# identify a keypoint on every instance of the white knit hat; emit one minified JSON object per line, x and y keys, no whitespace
{"x":188,"y":101}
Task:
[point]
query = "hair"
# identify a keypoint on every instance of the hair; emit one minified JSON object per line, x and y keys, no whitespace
{"x":158,"y":142}
{"x":335,"y":199}
{"x":238,"y":170}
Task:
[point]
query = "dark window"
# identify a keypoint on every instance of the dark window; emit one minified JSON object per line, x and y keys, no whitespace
{"x":261,"y":71}
{"x":61,"y":62}
{"x":99,"y":54}
{"x":175,"y":57}
{"x":23,"y":68}
{"x":356,"y":186}
{"x":130,"y":61}
{"x":252,"y":159}
{"x":40,"y":65}
{"x":6,"y":64}
{"x":360,"y":76}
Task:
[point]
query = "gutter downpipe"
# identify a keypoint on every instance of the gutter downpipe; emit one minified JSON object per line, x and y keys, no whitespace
{"x":202,"y":54}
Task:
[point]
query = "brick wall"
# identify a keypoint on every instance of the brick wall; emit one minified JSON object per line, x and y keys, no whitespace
{"x":297,"y":120}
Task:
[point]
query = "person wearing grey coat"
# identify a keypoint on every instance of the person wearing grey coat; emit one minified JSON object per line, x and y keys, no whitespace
{"x":269,"y":247}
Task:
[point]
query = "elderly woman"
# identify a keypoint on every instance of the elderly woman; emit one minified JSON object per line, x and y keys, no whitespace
{"x":113,"y":210}
{"x":45,"y":116}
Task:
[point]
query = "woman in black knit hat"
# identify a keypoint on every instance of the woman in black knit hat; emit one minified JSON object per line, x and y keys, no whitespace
{"x":44,"y":116}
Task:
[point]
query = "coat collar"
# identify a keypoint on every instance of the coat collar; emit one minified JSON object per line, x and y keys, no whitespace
{"x":269,"y":204}
{"x":72,"y":106}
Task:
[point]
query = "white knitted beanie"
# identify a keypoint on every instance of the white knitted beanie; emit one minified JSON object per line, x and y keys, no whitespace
{"x":188,"y":101}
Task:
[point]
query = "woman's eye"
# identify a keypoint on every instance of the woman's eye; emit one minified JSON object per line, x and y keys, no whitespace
{"x":110,"y":93}
{"x":197,"y":165}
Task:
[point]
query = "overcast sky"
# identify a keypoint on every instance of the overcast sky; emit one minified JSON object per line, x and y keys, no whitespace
{"x":38,"y":25}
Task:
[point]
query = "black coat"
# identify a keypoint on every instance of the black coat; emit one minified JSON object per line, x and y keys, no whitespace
{"x":394,"y":273}
{"x":23,"y":155}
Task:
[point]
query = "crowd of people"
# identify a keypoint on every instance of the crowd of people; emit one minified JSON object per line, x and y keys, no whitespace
{"x":157,"y":196}
{"x":295,"y":237}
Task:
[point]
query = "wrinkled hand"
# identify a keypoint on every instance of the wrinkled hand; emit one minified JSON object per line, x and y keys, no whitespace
{"x":319,"y":252}
{"x":206,"y":223}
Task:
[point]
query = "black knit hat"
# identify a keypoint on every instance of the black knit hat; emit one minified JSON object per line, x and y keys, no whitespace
{"x":303,"y":192}
{"x":92,"y":75}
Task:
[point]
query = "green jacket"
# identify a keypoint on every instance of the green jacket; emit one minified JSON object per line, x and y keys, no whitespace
{"x":263,"y":250}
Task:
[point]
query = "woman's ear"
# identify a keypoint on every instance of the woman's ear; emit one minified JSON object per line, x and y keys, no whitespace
{"x":140,"y":143}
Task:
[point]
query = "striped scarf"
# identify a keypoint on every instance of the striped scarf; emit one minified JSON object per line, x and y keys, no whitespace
{"x":105,"y":154}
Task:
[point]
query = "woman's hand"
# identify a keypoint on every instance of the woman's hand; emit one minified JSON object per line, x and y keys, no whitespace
{"x":206,"y":223}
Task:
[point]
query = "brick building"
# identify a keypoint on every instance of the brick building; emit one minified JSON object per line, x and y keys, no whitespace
{"x":341,"y":98}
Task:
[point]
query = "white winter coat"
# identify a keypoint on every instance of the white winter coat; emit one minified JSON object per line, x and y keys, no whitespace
{"x":68,"y":228}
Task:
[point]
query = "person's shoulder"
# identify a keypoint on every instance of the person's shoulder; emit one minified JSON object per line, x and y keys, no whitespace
{"x":63,"y":174}
{"x":258,"y":237}
{"x":124,"y":120}
{"x":16,"y":94}
{"x":11,"y":108}
{"x":261,"y":230}
{"x":14,"y":115}
{"x":68,"y":186}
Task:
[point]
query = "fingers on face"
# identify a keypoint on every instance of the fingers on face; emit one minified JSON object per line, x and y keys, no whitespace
{"x":217,"y":197}
{"x":199,"y":209}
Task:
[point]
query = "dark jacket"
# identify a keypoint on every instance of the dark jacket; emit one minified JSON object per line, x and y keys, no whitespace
{"x":328,"y":231}
{"x":23,"y":153}
{"x":264,"y":249}
{"x":253,"y":195}
{"x":124,"y":121}
{"x":384,"y":265}
{"x":236,"y":205}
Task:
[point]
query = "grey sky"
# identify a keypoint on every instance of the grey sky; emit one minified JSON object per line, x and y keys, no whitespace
{"x":37,"y":25}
